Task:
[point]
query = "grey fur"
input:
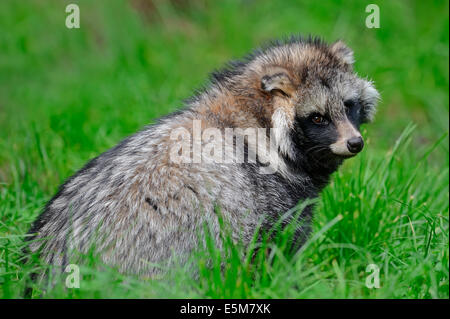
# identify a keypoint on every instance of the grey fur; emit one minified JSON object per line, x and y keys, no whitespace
{"x":139,"y":207}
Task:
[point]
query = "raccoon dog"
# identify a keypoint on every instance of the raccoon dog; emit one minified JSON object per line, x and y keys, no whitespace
{"x":139,"y":206}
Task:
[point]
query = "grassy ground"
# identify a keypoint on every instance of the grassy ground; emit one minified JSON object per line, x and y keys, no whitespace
{"x":67,"y":95}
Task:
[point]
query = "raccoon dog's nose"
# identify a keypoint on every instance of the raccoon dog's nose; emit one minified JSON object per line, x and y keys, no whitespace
{"x":355,"y":144}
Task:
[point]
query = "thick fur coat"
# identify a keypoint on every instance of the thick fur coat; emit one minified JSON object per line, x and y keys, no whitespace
{"x":139,"y":206}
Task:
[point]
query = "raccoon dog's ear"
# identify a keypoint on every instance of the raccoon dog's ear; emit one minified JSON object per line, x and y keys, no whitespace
{"x":343,"y":52}
{"x":276,"y":81}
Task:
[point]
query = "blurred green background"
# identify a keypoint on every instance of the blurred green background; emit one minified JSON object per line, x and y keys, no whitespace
{"x":68,"y":94}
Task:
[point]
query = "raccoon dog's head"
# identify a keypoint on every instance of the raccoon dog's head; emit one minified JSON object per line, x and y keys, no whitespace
{"x":317,"y":102}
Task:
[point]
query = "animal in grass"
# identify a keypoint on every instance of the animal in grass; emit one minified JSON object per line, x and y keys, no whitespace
{"x":138,"y":204}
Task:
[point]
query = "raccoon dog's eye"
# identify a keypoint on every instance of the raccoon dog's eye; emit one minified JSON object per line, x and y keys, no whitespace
{"x":319,"y":120}
{"x":349,"y":103}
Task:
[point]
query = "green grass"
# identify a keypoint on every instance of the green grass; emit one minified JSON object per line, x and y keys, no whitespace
{"x":67,"y":95}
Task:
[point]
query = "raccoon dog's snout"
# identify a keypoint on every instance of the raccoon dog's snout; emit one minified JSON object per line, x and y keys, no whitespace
{"x":355,"y":144}
{"x":350,"y":141}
